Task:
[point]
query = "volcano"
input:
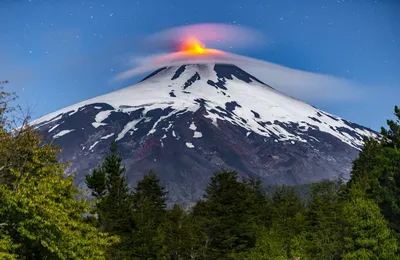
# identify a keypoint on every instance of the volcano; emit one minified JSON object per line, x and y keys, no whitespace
{"x":186,"y":122}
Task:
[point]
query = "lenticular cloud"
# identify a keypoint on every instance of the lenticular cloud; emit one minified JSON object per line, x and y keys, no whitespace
{"x":167,"y":51}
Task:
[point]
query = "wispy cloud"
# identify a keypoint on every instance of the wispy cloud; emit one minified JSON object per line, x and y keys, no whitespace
{"x":297,"y":83}
{"x":213,"y":35}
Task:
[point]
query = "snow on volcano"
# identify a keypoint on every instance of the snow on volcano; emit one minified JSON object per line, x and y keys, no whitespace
{"x":189,"y":110}
{"x":238,"y":98}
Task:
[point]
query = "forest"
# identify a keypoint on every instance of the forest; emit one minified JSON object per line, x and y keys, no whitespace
{"x":43,"y":215}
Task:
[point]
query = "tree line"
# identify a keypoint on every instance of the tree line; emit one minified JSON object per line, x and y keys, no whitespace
{"x":43,"y":216}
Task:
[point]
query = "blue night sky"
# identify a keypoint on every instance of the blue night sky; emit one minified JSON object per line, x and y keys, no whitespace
{"x":56,"y":53}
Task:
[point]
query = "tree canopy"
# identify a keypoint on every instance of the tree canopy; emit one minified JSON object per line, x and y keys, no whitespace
{"x":43,"y":216}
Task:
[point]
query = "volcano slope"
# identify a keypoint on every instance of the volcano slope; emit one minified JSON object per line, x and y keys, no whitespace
{"x":189,"y":121}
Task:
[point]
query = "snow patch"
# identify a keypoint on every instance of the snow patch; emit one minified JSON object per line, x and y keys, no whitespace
{"x":93,"y":145}
{"x":54,"y":127}
{"x":167,"y":128}
{"x":161,"y":140}
{"x":189,"y":145}
{"x":96,"y":124}
{"x":153,"y":130}
{"x":127,"y":127}
{"x":197,"y":134}
{"x":192,"y":126}
{"x":62,"y":133}
{"x":101,"y":116}
{"x":107,"y":136}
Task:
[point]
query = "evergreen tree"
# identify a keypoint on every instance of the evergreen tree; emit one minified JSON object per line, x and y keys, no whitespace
{"x":113,"y":206}
{"x":149,"y":204}
{"x":270,"y":245}
{"x":377,"y":172}
{"x":116,"y":205}
{"x":323,"y":234}
{"x":288,"y":217}
{"x":263,"y":204}
{"x":229,"y":214}
{"x":97,"y":182}
{"x":392,"y":135}
{"x":366,"y":235}
{"x":175,"y":233}
{"x":185,"y":236}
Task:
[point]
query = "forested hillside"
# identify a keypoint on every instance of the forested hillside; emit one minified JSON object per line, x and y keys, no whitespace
{"x":42,"y":215}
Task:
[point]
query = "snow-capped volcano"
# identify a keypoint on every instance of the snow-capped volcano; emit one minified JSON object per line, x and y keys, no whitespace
{"x":188,"y":121}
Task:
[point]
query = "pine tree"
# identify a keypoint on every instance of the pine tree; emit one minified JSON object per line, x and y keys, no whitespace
{"x":270,"y":245}
{"x":228,"y":211}
{"x":149,"y":204}
{"x":263,"y":203}
{"x":323,"y":216}
{"x":185,"y":237}
{"x":175,"y":232}
{"x":114,"y":205}
{"x":97,"y":182}
{"x":288,"y":217}
{"x":377,"y":172}
{"x":366,"y":234}
{"x":392,"y":135}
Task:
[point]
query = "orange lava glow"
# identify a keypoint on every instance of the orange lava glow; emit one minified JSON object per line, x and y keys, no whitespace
{"x":193,"y":46}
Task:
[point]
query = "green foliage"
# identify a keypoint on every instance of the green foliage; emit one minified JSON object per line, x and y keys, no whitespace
{"x":97,"y":182}
{"x":270,"y":245}
{"x":366,"y":235}
{"x":185,"y":238}
{"x":392,"y":135}
{"x":324,"y":218}
{"x":41,"y":217}
{"x":7,"y":247}
{"x":46,"y":218}
{"x":150,"y":215}
{"x":114,"y":204}
{"x":288,"y":216}
{"x":230,"y":215}
{"x":150,"y":189}
{"x":377,"y":172}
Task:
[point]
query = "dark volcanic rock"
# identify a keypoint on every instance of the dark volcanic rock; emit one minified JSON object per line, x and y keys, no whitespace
{"x":187,"y":122}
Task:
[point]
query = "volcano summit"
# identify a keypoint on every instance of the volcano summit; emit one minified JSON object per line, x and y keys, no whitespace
{"x":188,"y":121}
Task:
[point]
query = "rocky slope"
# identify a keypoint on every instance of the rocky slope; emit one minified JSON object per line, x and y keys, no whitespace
{"x":187,"y":122}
